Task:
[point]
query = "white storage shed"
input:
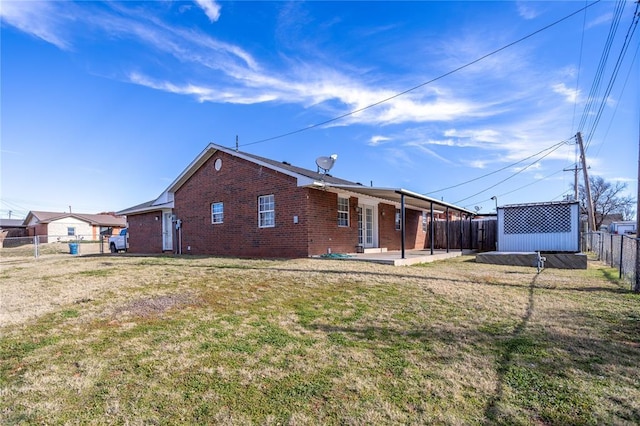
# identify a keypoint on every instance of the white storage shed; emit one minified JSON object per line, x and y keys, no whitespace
{"x":544,"y":227}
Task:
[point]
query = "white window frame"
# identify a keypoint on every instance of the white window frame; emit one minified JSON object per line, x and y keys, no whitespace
{"x":343,"y":212}
{"x":71,"y":231}
{"x":424,"y":222}
{"x":266,"y":211}
{"x":217,"y":215}
{"x":398,"y":220}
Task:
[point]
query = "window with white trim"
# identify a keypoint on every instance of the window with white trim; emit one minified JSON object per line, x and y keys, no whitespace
{"x":343,"y":211}
{"x":398,"y":220}
{"x":266,"y":211}
{"x":71,"y":231}
{"x":217,"y":213}
{"x":424,"y":221}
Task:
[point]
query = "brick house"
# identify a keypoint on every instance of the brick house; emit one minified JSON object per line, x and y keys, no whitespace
{"x":231,"y":203}
{"x":56,"y":226}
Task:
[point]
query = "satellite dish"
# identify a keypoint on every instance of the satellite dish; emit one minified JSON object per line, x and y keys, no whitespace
{"x":477,"y":208}
{"x":326,"y":163}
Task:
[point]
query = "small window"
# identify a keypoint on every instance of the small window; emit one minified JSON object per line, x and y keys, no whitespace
{"x":398,"y":220}
{"x":217,"y":213}
{"x":424,"y":221}
{"x":343,"y":211}
{"x":266,"y":211}
{"x":71,"y":231}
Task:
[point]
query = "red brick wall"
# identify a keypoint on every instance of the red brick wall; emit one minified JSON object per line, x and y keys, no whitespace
{"x":324,"y":232}
{"x":414,"y":236}
{"x":238,"y":184}
{"x":388,"y":236}
{"x":145,"y":232}
{"x":391,"y":238}
{"x":40,"y":229}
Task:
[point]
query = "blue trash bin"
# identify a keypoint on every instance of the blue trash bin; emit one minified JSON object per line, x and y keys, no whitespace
{"x":73,"y":248}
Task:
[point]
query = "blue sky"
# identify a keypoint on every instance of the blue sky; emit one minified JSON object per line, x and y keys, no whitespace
{"x":103,"y":105}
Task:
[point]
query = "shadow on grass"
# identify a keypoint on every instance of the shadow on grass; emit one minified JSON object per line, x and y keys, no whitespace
{"x":612,"y":275}
{"x":607,"y":273}
{"x":491,"y":412}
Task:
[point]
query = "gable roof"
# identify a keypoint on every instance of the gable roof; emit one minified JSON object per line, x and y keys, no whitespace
{"x":304,"y":176}
{"x":93,"y":219}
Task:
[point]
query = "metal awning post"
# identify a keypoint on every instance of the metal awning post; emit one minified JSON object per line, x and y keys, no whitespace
{"x":402,"y":224}
{"x":461,"y":221}
{"x":431,"y":230}
{"x":447,"y":229}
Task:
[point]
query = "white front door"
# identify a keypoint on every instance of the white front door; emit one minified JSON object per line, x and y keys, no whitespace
{"x":167,"y":231}
{"x":367,"y":235}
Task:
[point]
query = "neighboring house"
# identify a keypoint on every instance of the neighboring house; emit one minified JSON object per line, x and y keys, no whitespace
{"x":232,"y":203}
{"x":54,"y":226}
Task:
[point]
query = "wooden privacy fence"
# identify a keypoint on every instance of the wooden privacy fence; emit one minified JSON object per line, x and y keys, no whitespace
{"x":465,"y":234}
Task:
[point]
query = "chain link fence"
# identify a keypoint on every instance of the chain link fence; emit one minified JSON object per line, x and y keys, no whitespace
{"x":617,"y":251}
{"x":16,"y":247}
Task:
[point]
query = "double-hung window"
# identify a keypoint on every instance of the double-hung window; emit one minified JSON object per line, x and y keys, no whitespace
{"x":71,"y":231}
{"x":398,"y":220}
{"x":424,"y":221}
{"x":343,"y":211}
{"x":217,"y":213}
{"x":266,"y":211}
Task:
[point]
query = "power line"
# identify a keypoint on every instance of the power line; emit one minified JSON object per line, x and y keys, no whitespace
{"x":499,"y":170}
{"x":604,"y":138}
{"x":595,"y":85}
{"x":614,"y":73}
{"x":575,"y":102}
{"x":509,"y":177}
{"x":422,"y":84}
{"x":519,"y":188}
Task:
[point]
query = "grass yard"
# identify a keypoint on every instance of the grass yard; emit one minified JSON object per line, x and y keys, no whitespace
{"x":164,"y":340}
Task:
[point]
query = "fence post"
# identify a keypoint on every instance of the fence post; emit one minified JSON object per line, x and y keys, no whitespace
{"x":36,"y":243}
{"x":621,"y":251}
{"x":612,"y":265}
{"x":636,"y":283}
{"x":600,"y":246}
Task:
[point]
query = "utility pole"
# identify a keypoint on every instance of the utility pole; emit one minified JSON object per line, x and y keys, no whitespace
{"x":574,"y":169}
{"x":636,"y":284}
{"x":587,"y":186}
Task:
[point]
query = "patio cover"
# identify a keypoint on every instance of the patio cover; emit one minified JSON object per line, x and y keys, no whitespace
{"x":395,"y":195}
{"x":399,"y":195}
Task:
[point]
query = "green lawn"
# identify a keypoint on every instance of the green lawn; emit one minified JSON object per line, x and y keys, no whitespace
{"x":162,"y":340}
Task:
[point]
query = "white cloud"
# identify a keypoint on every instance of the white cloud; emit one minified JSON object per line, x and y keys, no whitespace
{"x":211,"y":9}
{"x":377,"y":140}
{"x":203,"y":94}
{"x":218,"y":71}
{"x":600,"y":20}
{"x":475,"y":135}
{"x":526,"y":11}
{"x":570,"y":95}
{"x":421,"y":147}
{"x":478,"y":164}
{"x":38,"y":19}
